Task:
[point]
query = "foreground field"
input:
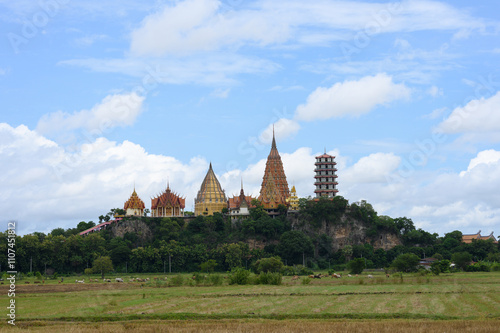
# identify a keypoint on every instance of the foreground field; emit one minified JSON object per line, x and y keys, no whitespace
{"x":464,"y":302}
{"x":268,"y":326}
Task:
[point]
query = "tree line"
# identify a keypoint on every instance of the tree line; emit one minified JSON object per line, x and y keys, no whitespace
{"x":179,"y":246}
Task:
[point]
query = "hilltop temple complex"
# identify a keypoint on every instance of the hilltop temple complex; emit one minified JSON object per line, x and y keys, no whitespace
{"x":211,"y":198}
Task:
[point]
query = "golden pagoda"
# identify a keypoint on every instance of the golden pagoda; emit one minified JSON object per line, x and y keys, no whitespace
{"x":167,"y":204}
{"x":134,"y":206}
{"x":211,"y":197}
{"x":293,"y":200}
{"x":274,"y":190}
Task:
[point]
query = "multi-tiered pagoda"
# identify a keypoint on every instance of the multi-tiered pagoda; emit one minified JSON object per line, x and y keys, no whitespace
{"x":326,"y":179}
{"x":167,"y":204}
{"x":134,"y":206}
{"x":211,"y":197}
{"x":274,"y":190}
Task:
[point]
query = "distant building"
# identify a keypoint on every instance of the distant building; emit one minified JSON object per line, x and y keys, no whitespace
{"x":211,"y":197}
{"x":326,"y":179}
{"x":167,"y":204}
{"x":274,"y":190}
{"x":293,"y":200}
{"x":134,"y":206}
{"x":468,"y":238}
{"x":239,"y":206}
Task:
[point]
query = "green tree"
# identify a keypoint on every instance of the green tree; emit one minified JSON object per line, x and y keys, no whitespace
{"x":461,"y":259}
{"x":356,"y":265}
{"x":406,"y":262}
{"x":347,"y":252}
{"x":293,"y":245}
{"x":208,"y":266}
{"x":272,"y":264}
{"x":103,"y":265}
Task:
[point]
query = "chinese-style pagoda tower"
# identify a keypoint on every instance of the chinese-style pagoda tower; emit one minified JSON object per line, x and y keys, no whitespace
{"x":134,"y":206}
{"x":211,"y":197}
{"x":167,"y":204}
{"x":326,"y":179}
{"x":274,"y":190}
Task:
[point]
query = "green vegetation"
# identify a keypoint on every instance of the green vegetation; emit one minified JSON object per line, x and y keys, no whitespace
{"x":459,"y":296}
{"x":216,"y":244}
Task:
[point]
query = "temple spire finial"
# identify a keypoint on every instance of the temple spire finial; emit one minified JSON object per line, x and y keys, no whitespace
{"x":274,"y":140}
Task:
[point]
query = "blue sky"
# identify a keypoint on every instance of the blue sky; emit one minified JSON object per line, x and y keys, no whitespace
{"x":97,"y":96}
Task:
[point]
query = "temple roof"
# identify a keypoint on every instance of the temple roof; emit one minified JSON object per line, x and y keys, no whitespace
{"x":168,"y":199}
{"x":469,"y":237}
{"x":237,"y":201}
{"x":210,"y":189}
{"x":274,"y":189}
{"x":324,"y":156}
{"x":134,"y":202}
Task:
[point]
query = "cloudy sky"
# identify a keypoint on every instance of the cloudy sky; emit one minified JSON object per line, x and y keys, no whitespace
{"x":96,"y":96}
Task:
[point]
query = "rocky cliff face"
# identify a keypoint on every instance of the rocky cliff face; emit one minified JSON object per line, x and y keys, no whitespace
{"x":137,"y":227}
{"x":347,"y":231}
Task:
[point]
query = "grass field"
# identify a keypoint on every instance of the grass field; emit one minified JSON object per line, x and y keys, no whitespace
{"x":455,"y":302}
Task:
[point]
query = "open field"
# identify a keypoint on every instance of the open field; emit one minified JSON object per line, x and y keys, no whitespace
{"x":467,"y":301}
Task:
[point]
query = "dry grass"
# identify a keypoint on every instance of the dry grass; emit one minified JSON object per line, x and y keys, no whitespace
{"x":267,"y":326}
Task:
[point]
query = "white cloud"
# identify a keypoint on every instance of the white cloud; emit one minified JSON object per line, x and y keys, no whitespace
{"x":351,"y":98}
{"x":209,"y":69}
{"x":112,"y":111}
{"x":436,"y":113}
{"x":479,"y":116}
{"x":201,"y":25}
{"x":371,"y":169}
{"x":486,"y":157}
{"x":435,"y":91}
{"x":89,"y":40}
{"x":63,"y":187}
{"x":45,"y":186}
{"x":220,"y":93}
{"x":283,"y":128}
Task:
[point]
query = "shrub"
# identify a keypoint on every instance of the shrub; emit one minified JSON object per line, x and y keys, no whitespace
{"x":306,"y":280}
{"x":199,"y":278}
{"x":239,"y":276}
{"x":38,"y":276}
{"x":272,"y":264}
{"x":356,"y":265}
{"x":269,"y":278}
{"x":495,"y":267}
{"x":215,"y":279}
{"x":88,"y":271}
{"x":301,"y":270}
{"x":177,"y":280}
{"x":288,"y":271}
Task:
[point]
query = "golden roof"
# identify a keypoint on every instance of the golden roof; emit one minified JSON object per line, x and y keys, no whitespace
{"x":210,"y":190}
{"x":134,"y":202}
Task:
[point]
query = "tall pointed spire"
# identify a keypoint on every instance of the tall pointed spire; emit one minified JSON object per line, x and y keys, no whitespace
{"x":274,"y":190}
{"x":273,"y":146}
